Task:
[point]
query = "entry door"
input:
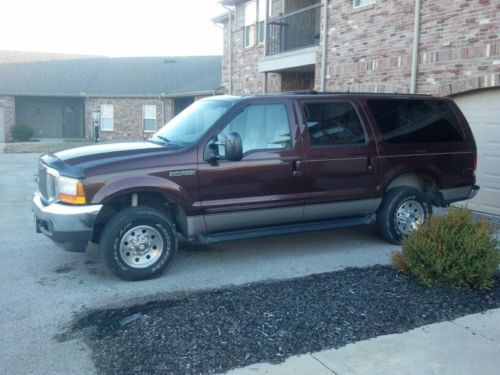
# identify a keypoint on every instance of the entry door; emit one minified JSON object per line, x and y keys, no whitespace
{"x":2,"y":125}
{"x":340,"y":161}
{"x":263,"y":187}
{"x":71,"y":122}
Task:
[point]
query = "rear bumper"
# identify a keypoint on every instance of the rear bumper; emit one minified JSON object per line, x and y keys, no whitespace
{"x":448,"y":196}
{"x":70,"y":227}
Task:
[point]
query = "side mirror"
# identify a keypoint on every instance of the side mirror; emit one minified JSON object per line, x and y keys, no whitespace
{"x":211,"y":152}
{"x":232,"y":146}
{"x":234,"y":149}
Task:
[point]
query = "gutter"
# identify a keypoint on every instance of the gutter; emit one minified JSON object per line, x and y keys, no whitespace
{"x":324,"y":49}
{"x":416,"y":42}
{"x":216,"y":91}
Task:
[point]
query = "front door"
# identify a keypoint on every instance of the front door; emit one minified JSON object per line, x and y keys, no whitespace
{"x":263,"y":187}
{"x":72,"y":123}
{"x":340,"y":161}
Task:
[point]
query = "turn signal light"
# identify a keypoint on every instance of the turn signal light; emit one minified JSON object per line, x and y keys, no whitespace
{"x":79,"y":198}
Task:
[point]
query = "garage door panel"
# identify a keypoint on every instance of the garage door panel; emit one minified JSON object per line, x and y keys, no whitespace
{"x":482,"y":110}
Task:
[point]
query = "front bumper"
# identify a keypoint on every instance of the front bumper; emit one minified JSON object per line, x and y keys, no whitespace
{"x":70,"y":227}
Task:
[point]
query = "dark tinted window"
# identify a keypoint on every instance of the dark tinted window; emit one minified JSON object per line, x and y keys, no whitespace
{"x":333,"y":123}
{"x":416,"y":121}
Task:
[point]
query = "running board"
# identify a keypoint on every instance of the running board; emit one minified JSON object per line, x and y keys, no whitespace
{"x":243,"y":234}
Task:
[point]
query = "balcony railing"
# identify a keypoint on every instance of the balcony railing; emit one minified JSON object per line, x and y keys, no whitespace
{"x":296,"y":30}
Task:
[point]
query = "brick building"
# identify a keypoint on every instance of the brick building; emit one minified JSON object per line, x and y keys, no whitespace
{"x":444,"y":48}
{"x":124,"y":97}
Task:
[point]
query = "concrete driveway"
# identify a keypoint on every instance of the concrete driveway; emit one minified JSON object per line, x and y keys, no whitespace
{"x":43,"y":287}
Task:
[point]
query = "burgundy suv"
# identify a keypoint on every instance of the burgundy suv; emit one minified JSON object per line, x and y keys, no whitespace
{"x":238,"y":167}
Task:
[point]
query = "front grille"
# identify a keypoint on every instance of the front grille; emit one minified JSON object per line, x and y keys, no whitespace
{"x":46,"y":183}
{"x":42,"y":181}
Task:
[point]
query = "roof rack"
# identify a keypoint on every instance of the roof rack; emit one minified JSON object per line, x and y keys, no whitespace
{"x":314,"y":92}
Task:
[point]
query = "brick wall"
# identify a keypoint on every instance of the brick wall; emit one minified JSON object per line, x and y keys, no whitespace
{"x":127,"y":116}
{"x":459,"y":46}
{"x":246,"y":77}
{"x":369,"y":48}
{"x":9,"y":108}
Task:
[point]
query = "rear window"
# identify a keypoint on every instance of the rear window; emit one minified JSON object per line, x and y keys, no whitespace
{"x":416,"y":121}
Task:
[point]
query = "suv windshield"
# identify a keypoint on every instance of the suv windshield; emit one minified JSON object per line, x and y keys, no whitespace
{"x":189,"y":126}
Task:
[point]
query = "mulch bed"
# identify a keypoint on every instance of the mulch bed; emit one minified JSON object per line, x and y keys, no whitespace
{"x":214,"y":331}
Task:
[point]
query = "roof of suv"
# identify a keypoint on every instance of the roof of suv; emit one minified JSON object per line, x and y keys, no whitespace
{"x":318,"y":94}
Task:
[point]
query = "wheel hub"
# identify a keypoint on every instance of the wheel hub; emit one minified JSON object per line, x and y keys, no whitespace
{"x":409,"y":216}
{"x":141,"y":246}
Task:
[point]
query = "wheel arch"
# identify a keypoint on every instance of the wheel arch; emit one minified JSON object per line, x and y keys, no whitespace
{"x":424,"y":181}
{"x":150,"y":197}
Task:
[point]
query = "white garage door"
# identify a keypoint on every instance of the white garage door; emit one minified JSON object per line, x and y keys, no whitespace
{"x":2,"y":125}
{"x":482,"y":110}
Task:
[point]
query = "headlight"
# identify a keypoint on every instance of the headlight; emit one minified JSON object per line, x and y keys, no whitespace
{"x":70,"y":190}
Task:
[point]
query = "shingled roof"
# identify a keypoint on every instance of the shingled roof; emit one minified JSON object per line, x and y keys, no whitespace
{"x":130,"y":76}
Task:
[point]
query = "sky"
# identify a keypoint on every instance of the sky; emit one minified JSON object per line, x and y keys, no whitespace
{"x":112,"y":27}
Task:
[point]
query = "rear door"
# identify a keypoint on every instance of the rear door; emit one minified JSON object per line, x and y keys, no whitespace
{"x":264,"y":187}
{"x":340,"y":160}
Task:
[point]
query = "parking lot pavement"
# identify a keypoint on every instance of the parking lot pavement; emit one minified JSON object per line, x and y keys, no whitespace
{"x":43,"y":287}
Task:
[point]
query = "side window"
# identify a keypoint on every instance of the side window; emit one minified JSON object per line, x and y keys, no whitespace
{"x":333,"y":123}
{"x":260,"y":126}
{"x":416,"y":121}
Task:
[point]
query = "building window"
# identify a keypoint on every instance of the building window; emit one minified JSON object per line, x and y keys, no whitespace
{"x":149,"y":118}
{"x":107,"y":117}
{"x":250,"y":24}
{"x":360,"y":3}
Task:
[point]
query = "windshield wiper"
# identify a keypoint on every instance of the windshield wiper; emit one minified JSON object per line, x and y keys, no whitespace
{"x":166,"y":140}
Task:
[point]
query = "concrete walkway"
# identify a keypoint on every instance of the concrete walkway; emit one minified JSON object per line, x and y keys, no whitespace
{"x":468,"y":345}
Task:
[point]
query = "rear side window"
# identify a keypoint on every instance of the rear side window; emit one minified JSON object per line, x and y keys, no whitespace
{"x":416,"y":121}
{"x":333,"y":123}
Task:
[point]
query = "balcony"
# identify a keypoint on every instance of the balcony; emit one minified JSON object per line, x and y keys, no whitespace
{"x":294,"y":31}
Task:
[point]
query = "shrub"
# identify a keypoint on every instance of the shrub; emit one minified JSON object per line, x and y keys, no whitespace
{"x":22,"y":132}
{"x":451,"y":250}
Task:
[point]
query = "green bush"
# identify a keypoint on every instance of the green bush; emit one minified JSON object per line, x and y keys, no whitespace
{"x":451,"y":250}
{"x":22,"y":132}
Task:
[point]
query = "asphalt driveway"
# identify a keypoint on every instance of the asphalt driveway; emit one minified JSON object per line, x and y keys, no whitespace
{"x":43,"y":287}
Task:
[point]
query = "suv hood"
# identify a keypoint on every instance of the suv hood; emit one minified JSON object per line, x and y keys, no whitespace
{"x":75,"y":161}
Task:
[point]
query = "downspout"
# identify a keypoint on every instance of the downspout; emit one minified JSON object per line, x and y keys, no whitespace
{"x":325,"y":37}
{"x":230,"y":49}
{"x":266,"y":22}
{"x":416,"y":42}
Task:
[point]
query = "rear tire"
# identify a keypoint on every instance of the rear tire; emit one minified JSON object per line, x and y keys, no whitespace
{"x":138,"y":243}
{"x":402,"y":210}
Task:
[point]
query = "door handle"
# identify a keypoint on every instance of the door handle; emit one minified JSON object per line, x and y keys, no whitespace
{"x":369,"y":165}
{"x":296,"y":167}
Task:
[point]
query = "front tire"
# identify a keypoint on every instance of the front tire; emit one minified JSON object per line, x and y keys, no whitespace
{"x":138,"y":243}
{"x":402,"y":211}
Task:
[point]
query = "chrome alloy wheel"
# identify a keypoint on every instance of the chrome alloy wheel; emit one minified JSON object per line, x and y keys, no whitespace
{"x":409,"y":216}
{"x":141,"y":246}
